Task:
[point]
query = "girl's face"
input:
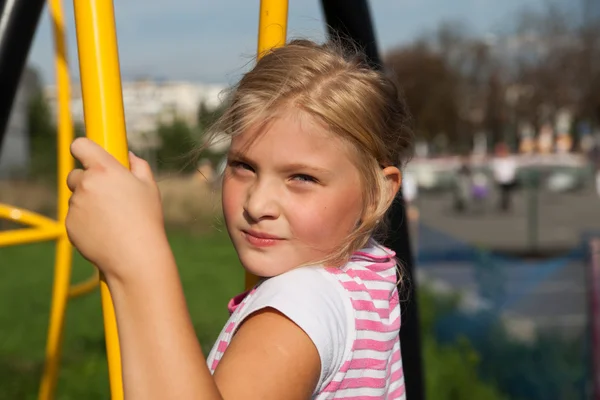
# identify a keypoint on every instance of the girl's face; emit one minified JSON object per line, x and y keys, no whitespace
{"x":291,"y":194}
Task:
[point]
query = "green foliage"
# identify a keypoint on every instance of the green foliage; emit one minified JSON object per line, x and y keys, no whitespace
{"x":206,"y":120}
{"x":451,"y":370}
{"x":178,"y":142}
{"x":41,"y":123}
{"x":551,"y":367}
{"x":206,"y":117}
{"x":42,"y":134}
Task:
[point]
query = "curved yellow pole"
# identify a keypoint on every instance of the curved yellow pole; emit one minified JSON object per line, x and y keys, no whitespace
{"x":105,"y":124}
{"x":64,"y":251}
{"x":86,"y":286}
{"x":25,"y":217}
{"x":29,"y":235}
{"x":42,"y":228}
{"x":272,"y":32}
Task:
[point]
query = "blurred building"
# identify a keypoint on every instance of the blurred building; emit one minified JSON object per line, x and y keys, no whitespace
{"x":148,"y":103}
{"x":14,"y":150}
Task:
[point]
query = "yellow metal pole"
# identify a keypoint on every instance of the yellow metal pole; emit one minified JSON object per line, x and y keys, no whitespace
{"x":85,"y":287}
{"x":272,"y":32}
{"x":21,"y":236}
{"x":105,"y":124}
{"x":64,"y":251}
{"x":272,"y":25}
{"x":25,"y":217}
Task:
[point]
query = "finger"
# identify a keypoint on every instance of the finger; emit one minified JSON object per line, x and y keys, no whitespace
{"x":140,"y":168}
{"x":74,"y":178}
{"x":90,"y":154}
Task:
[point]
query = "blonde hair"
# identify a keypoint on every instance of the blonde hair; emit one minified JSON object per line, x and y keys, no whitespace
{"x":335,"y":85}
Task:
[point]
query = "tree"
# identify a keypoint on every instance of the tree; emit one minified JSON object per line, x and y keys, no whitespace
{"x":453,"y":84}
{"x":178,"y":142}
{"x":495,"y":114}
{"x":207,"y":117}
{"x":558,"y":61}
{"x":430,"y":87}
{"x":206,"y":120}
{"x":42,"y":132}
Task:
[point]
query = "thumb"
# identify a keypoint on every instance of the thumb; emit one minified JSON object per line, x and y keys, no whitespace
{"x":140,"y":168}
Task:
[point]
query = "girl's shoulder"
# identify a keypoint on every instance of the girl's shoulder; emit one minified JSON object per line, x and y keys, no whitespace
{"x":310,"y":288}
{"x":315,"y":301}
{"x":373,"y":265}
{"x":374,"y":252}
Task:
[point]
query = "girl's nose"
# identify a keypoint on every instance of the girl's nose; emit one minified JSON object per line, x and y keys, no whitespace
{"x":262,"y":202}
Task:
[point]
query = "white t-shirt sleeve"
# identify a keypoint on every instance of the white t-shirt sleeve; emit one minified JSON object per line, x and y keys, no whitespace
{"x":316,"y":302}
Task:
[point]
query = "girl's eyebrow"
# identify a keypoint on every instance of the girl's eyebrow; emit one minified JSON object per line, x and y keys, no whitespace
{"x":305,"y":167}
{"x":233,"y":154}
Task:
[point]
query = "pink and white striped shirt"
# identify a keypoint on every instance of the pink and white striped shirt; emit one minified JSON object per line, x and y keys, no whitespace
{"x":352,"y":315}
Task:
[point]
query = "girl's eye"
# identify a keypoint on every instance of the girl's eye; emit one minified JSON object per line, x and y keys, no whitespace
{"x":240,"y":165}
{"x":304,"y":178}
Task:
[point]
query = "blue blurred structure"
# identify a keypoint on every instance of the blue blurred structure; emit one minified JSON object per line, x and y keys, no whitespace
{"x":527,"y":318}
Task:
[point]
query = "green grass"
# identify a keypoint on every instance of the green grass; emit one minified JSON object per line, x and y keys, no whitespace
{"x":210,"y":273}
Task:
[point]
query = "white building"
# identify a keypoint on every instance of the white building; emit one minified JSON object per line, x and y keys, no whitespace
{"x":148,"y":103}
{"x":14,"y":149}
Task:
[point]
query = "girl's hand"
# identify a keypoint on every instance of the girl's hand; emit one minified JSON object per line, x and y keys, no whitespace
{"x":115,"y":215}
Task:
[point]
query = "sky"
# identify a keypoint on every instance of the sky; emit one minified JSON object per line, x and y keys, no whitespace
{"x":213,"y":41}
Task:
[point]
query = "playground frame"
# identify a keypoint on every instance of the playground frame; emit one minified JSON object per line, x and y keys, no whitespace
{"x":105,"y":124}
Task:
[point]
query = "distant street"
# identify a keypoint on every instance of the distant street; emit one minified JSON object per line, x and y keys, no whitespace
{"x":562,"y":218}
{"x":549,"y":293}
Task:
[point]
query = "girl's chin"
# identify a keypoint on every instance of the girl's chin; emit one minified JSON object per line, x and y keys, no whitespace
{"x":264,"y":265}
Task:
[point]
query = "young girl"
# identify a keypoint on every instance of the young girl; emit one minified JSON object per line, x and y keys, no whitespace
{"x":317,"y":138}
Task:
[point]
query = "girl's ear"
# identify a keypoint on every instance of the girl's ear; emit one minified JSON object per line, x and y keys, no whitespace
{"x":393,"y":178}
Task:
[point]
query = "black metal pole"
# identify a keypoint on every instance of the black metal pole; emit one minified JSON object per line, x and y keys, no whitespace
{"x":351,"y":19}
{"x":18,"y":22}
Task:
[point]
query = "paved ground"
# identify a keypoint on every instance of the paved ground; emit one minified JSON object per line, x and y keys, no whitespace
{"x":562,"y":219}
{"x":548,"y":293}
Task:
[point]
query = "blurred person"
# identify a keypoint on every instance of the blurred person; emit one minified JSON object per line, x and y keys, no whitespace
{"x":410,"y":191}
{"x":594,"y":160}
{"x":480,"y":190}
{"x":318,"y":138}
{"x":463,"y":186}
{"x":504,"y":170}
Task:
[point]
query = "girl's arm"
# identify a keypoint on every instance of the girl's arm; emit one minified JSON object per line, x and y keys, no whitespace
{"x":269,"y":358}
{"x":161,"y":356}
{"x":115,"y":221}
